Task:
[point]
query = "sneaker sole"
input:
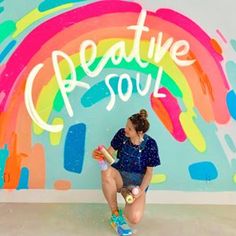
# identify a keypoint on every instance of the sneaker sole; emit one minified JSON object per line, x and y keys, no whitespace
{"x":113,"y":225}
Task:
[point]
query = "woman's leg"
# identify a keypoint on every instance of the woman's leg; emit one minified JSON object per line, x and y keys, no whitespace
{"x":134,"y":212}
{"x":111,"y":184}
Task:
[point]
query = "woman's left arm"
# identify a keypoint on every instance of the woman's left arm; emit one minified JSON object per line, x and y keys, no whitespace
{"x":152,"y":161}
{"x":146,"y":181}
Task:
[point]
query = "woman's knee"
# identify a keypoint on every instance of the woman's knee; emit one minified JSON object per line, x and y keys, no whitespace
{"x":111,"y":176}
{"x":107,"y":175}
{"x":134,"y":217}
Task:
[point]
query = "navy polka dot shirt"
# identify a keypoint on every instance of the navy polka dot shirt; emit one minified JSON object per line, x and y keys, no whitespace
{"x":149,"y":155}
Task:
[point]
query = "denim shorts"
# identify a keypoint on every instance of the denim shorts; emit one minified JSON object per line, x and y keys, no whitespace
{"x":131,"y":178}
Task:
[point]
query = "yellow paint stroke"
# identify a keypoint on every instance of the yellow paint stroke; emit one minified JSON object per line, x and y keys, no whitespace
{"x":192,"y":131}
{"x":187,"y":117}
{"x":45,"y":103}
{"x":55,"y":138}
{"x":158,"y":179}
{"x":34,"y":16}
{"x":176,"y":74}
{"x":234,"y":178}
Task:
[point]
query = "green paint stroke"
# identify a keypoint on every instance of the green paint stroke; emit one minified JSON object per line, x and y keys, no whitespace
{"x":1,"y":9}
{"x":49,"y":4}
{"x":166,"y":80}
{"x":6,"y":29}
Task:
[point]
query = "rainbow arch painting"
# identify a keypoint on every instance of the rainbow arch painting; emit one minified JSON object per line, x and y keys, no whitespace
{"x":71,"y":73}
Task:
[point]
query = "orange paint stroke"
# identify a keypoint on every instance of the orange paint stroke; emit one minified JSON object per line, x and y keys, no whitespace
{"x":8,"y":118}
{"x":23,"y":129}
{"x":13,"y":165}
{"x":201,"y":90}
{"x":162,"y":113}
{"x":216,"y":46}
{"x":7,"y":124}
{"x":62,"y":185}
{"x":171,"y":111}
{"x":36,"y":164}
{"x":209,"y":98}
{"x":202,"y":77}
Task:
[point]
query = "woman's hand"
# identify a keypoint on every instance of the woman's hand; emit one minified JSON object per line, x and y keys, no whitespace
{"x":97,"y":155}
{"x":140,"y":192}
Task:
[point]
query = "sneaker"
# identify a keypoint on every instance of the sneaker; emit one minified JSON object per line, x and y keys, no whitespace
{"x":119,"y":224}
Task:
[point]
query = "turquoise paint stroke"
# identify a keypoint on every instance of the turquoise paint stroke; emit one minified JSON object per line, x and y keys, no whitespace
{"x":204,"y":171}
{"x":230,"y":143}
{"x":233,"y":44}
{"x":100,"y":91}
{"x":24,"y":179}
{"x":231,"y":73}
{"x":6,"y":50}
{"x":49,"y":4}
{"x":4,"y":153}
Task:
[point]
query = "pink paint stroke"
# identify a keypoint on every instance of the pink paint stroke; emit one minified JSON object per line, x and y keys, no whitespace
{"x":221,"y":36}
{"x":2,"y":95}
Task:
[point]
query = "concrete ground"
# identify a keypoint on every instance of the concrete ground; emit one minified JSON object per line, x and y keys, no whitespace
{"x":70,"y":219}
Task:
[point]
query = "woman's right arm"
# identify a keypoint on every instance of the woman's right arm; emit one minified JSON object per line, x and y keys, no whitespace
{"x":111,"y":150}
{"x":116,"y":142}
{"x":98,"y":155}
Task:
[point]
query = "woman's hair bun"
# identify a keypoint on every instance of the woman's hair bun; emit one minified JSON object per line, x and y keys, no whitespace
{"x":143,"y":113}
{"x":140,"y":121}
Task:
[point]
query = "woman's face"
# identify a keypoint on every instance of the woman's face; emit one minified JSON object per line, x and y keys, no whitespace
{"x":130,"y":132}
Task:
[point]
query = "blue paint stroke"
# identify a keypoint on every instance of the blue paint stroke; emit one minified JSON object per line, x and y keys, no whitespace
{"x":4,"y":153}
{"x":49,"y":4}
{"x":205,"y":171}
{"x":7,"y":49}
{"x":74,"y":148}
{"x":233,"y":44}
{"x":24,"y":179}
{"x":231,"y":103}
{"x":100,"y":91}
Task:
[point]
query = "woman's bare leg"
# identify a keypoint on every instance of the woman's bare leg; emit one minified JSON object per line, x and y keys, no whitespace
{"x":111,"y":184}
{"x":134,"y":212}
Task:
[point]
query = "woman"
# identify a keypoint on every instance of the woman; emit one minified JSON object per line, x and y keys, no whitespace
{"x":137,"y":154}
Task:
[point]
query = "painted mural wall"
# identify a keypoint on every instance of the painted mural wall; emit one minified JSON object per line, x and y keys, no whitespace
{"x":72,"y":72}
